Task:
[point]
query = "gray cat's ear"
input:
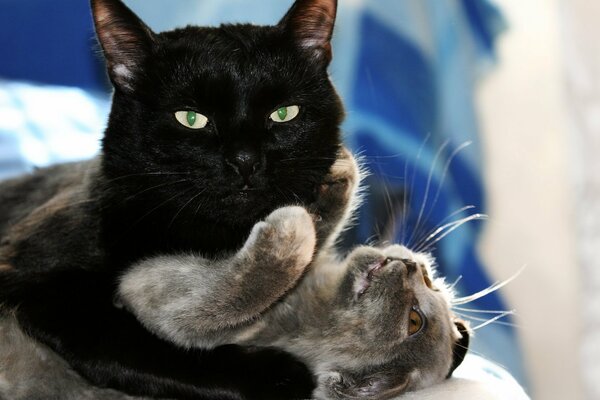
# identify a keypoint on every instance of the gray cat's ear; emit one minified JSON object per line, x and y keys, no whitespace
{"x":459,"y":350}
{"x":311,"y":24}
{"x":347,"y":385}
{"x":125,"y":40}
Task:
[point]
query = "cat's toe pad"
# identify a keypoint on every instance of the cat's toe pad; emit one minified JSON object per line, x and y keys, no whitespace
{"x":289,"y":233}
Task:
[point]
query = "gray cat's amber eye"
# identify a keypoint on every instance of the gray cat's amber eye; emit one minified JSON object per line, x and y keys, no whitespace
{"x":415,"y":322}
{"x":284,"y":114}
{"x":191,"y":119}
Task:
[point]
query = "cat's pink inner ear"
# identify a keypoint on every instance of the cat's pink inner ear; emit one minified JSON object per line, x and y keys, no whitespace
{"x":125,"y":40}
{"x":311,"y":23}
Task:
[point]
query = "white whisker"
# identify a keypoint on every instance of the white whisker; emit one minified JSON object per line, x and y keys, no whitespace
{"x":494,"y":287}
{"x":492,"y":320}
{"x":427,"y":187}
{"x":477,"y":311}
{"x":444,"y":174}
{"x":453,"y":284}
{"x":448,"y":228}
{"x":440,"y":225}
{"x":478,"y":319}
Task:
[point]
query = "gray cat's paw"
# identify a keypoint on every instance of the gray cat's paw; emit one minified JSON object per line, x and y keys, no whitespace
{"x":287,"y":235}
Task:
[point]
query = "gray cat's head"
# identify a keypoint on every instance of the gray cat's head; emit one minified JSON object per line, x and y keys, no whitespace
{"x":395,"y":319}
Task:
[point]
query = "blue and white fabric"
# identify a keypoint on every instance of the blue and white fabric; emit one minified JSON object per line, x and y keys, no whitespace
{"x":407,"y":70}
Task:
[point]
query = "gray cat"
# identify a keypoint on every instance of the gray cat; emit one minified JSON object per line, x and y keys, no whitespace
{"x":373,"y":325}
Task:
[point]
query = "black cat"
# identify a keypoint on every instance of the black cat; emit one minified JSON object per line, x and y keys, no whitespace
{"x":211,"y":129}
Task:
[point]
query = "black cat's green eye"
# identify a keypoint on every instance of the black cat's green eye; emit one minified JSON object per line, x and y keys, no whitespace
{"x":191,"y":119}
{"x":415,"y":321}
{"x":285,"y":114}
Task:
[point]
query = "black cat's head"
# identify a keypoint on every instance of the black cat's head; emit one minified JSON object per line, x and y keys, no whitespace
{"x":220,"y":123}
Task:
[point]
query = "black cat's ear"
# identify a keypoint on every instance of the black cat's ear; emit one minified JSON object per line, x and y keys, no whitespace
{"x":125,"y":39}
{"x":311,"y":24}
{"x":459,"y":350}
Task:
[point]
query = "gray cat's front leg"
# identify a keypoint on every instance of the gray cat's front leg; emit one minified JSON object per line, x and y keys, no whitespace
{"x":198,"y":302}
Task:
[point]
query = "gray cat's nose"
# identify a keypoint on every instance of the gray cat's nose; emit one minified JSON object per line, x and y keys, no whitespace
{"x":245,"y":162}
{"x":411,"y":266}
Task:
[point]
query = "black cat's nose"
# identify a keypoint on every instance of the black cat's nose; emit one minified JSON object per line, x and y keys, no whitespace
{"x":245,"y":162}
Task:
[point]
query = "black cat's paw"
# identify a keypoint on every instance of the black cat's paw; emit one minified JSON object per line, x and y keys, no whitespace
{"x":336,"y":196}
{"x":339,"y":184}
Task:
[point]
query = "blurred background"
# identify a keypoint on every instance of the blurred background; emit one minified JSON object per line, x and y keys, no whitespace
{"x":457,"y":107}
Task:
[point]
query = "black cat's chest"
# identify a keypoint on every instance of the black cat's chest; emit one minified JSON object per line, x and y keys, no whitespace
{"x":129,"y":235}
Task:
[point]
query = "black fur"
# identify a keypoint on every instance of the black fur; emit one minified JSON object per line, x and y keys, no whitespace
{"x":67,"y":232}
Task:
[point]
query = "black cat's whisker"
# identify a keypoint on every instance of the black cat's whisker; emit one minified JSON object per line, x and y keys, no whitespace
{"x":492,"y":288}
{"x":160,"y":205}
{"x":447,"y":229}
{"x":294,"y":159}
{"x":184,"y":206}
{"x":427,"y":189}
{"x":287,"y":197}
{"x":160,"y":173}
{"x":198,"y":207}
{"x":155,"y":187}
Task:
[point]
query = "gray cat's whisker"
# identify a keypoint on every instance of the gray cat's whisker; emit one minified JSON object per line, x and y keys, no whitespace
{"x":475,"y":310}
{"x":385,"y":157}
{"x":446,"y":229}
{"x":444,"y":174}
{"x":483,"y":356}
{"x":492,"y":320}
{"x":478,"y":319}
{"x":390,"y":226}
{"x":427,"y":188}
{"x":492,"y":288}
{"x":403,"y":218}
{"x":412,"y":180}
{"x":453,"y":284}
{"x":419,"y":242}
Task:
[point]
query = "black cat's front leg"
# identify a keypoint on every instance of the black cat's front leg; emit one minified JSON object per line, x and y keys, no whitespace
{"x":336,"y":198}
{"x":196,"y":302}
